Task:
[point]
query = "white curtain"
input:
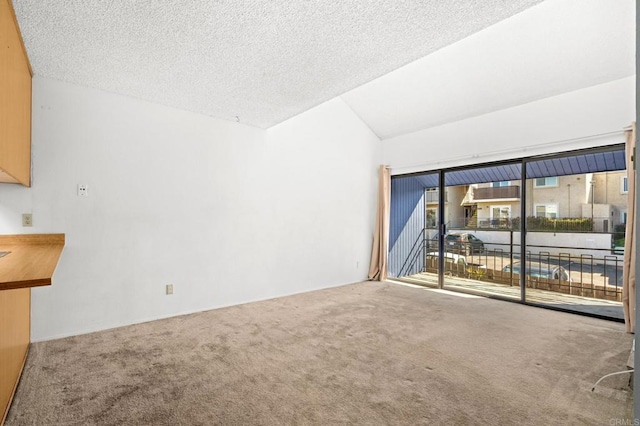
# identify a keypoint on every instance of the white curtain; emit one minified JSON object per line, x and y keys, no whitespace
{"x":380,"y":251}
{"x":629,"y":264}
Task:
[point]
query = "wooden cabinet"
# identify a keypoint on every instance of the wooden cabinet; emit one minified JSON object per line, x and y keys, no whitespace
{"x":31,"y":261}
{"x":15,"y":312}
{"x":15,"y":101}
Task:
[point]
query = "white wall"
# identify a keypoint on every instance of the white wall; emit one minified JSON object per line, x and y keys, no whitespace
{"x":225,"y":212}
{"x":553,"y":124}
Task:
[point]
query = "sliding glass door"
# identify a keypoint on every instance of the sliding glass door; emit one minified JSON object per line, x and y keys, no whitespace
{"x":463,"y":229}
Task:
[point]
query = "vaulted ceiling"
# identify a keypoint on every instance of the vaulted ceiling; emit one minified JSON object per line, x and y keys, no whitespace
{"x":555,"y":47}
{"x":261,"y":62}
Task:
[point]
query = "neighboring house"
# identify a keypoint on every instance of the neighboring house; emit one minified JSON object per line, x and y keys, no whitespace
{"x":610,"y":195}
{"x":456,"y":213}
{"x":601,"y":197}
{"x":496,"y":203}
{"x":598,"y":196}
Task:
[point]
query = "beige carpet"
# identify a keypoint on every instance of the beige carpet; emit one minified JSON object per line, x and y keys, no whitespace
{"x":368,"y":353}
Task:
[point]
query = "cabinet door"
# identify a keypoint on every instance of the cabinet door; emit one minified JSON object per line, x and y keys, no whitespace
{"x":15,"y":102}
{"x":15,"y":313}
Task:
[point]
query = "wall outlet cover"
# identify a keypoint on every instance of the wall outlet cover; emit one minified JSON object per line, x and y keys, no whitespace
{"x":83,"y":190}
{"x":27,"y":219}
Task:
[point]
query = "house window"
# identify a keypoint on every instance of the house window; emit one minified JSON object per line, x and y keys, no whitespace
{"x":499,"y":184}
{"x":432,"y":217}
{"x":545,"y":182}
{"x":432,"y":195}
{"x":500,"y":216}
{"x":546,"y":210}
{"x":624,"y":185}
{"x":623,"y":216}
{"x":500,"y":212}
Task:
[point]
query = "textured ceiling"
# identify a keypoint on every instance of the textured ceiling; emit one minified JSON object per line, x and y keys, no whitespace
{"x":260,"y":60}
{"x":555,"y":47}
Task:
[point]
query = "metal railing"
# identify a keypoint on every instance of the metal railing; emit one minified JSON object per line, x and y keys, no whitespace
{"x":568,"y":271}
{"x":502,"y":192}
{"x":597,"y":224}
{"x":415,"y":253}
{"x":434,"y":196}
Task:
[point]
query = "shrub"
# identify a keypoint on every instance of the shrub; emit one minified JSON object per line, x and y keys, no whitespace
{"x":544,"y":224}
{"x":554,"y":225}
{"x":620,"y":229}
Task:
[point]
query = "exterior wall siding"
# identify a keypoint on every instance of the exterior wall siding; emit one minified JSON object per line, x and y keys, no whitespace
{"x":407,"y":219}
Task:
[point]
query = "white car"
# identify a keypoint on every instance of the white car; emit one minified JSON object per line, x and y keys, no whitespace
{"x":449,"y":258}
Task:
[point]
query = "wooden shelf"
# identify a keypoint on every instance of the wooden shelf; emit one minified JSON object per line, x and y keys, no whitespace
{"x":31,"y":261}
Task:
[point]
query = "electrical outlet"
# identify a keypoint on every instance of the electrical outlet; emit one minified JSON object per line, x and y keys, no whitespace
{"x":169,"y":289}
{"x":27,"y":219}
{"x":83,"y":190}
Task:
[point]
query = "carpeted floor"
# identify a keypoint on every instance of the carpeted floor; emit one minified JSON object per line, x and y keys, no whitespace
{"x":368,"y":353}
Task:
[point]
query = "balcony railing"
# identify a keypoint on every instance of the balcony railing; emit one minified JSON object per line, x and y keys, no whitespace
{"x":496,"y":193}
{"x":597,"y":224}
{"x":569,"y":272}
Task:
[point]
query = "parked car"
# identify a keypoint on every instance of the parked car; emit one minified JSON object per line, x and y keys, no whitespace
{"x":541,"y":270}
{"x":463,"y":242}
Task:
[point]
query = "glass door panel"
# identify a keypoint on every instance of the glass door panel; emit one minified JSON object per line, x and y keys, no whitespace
{"x":575,"y":232}
{"x":413,"y":231}
{"x":481,"y":216}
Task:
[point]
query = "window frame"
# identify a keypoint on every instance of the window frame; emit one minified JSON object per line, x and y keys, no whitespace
{"x":555,"y":206}
{"x":624,"y":185}
{"x":547,"y":185}
{"x":427,"y":217}
{"x":499,"y":206}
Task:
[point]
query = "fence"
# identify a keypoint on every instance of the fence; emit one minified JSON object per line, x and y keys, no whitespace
{"x":536,"y":224}
{"x":586,"y":275}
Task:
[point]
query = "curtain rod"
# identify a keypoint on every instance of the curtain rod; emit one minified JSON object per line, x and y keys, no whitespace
{"x":514,"y":150}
